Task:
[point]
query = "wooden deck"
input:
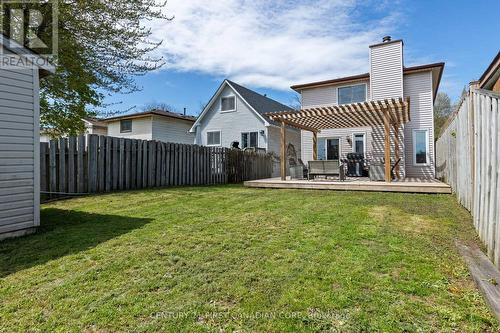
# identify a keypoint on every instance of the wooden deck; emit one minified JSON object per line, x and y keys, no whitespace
{"x":408,"y":185}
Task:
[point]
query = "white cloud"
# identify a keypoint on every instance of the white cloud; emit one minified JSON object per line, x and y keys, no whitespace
{"x":271,"y":44}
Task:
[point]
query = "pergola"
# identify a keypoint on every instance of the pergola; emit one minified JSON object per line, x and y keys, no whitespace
{"x":388,"y":113}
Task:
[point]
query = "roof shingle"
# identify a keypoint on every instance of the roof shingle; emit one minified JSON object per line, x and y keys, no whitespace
{"x":260,"y":103}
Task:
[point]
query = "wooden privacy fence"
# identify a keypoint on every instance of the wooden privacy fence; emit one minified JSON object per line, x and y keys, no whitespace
{"x":96,"y":164}
{"x":468,"y":158}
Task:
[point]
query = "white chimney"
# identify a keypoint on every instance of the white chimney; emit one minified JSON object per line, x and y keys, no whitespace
{"x":386,"y":69}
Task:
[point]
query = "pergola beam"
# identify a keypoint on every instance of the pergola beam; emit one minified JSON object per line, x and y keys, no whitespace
{"x":300,"y":126}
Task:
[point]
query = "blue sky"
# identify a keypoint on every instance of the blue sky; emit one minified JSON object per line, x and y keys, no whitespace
{"x":268,"y":47}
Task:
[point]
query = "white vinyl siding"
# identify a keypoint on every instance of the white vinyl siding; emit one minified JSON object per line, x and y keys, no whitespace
{"x":326,"y":95}
{"x":174,"y":130}
{"x":418,"y":87}
{"x":231,"y":124}
{"x":19,"y":150}
{"x":342,"y":133}
{"x":386,"y":71}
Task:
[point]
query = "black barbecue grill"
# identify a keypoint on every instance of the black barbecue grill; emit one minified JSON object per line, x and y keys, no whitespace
{"x":355,"y":164}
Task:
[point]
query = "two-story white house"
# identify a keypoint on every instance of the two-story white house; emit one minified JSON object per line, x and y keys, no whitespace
{"x":388,"y":78}
{"x":238,"y":114}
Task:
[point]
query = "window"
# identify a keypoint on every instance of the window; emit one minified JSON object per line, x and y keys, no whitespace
{"x":358,"y":144}
{"x":126,"y":126}
{"x":352,"y":94}
{"x":228,"y":103}
{"x":213,"y":138}
{"x":420,"y":147}
{"x":249,"y":140}
{"x":333,"y":149}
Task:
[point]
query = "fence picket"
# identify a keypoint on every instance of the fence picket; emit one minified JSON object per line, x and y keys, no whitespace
{"x":101,"y":163}
{"x":467,"y":153}
{"x":80,"y":160}
{"x":92,"y":152}
{"x":97,"y":164}
{"x":44,"y":148}
{"x":62,"y":165}
{"x":108,"y":162}
{"x":53,"y":166}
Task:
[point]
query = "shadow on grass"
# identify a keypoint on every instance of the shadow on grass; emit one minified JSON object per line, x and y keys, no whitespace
{"x":63,"y":232}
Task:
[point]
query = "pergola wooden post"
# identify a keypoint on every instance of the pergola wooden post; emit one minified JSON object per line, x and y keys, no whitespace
{"x":397,"y":148}
{"x":283,"y":151}
{"x":387,"y":146}
{"x":315,"y":146}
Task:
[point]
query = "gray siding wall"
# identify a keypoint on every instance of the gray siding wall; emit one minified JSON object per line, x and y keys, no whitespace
{"x":327,"y":95}
{"x":172,"y":130}
{"x":386,"y":80}
{"x":231,"y":124}
{"x":418,"y":87}
{"x":19,"y":150}
{"x":342,"y":134}
{"x":386,"y":71}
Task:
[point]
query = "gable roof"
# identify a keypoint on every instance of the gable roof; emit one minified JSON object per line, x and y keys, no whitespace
{"x":491,"y":74}
{"x":150,"y":113}
{"x":94,"y":122}
{"x":261,"y":104}
{"x":258,"y":103}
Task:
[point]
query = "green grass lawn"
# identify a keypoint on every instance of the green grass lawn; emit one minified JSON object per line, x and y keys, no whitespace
{"x":234,"y":259}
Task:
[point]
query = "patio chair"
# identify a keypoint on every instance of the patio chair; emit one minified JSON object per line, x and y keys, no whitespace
{"x":296,"y":170}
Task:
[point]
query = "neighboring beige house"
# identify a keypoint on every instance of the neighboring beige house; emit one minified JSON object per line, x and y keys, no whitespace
{"x":388,"y":78}
{"x":152,"y":125}
{"x":92,"y":126}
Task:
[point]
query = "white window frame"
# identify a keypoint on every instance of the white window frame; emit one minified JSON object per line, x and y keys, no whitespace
{"x":248,"y":132}
{"x":131,"y":125}
{"x":326,"y":147}
{"x":352,"y":85}
{"x":354,"y":142}
{"x":427,"y":147}
{"x":228,"y":96}
{"x":220,"y":138}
